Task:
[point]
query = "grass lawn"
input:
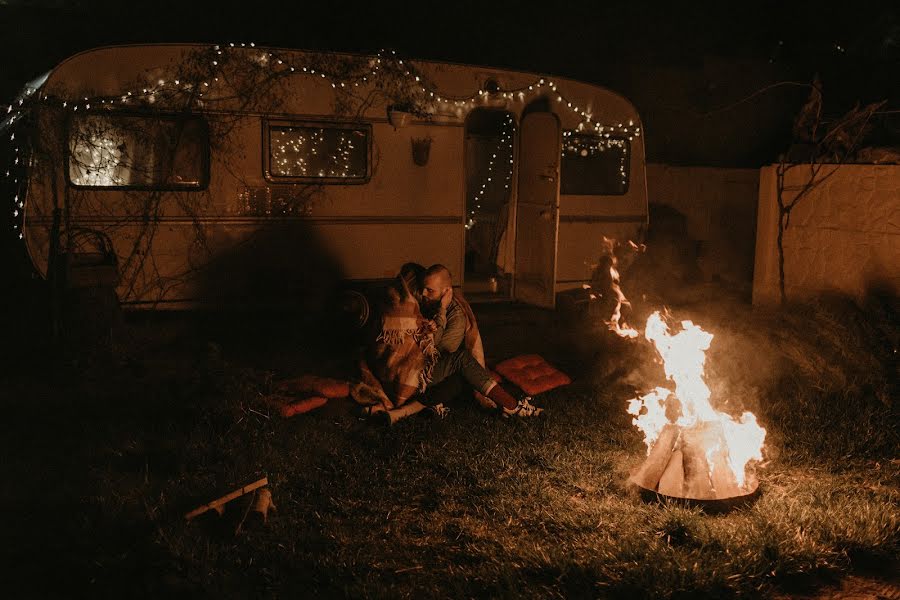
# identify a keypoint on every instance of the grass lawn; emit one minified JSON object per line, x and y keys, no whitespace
{"x":102,"y":458}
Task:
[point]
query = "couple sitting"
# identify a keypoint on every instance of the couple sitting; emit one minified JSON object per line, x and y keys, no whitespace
{"x":428,"y":350}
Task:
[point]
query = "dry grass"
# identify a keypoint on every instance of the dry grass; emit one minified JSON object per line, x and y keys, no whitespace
{"x":108,"y":460}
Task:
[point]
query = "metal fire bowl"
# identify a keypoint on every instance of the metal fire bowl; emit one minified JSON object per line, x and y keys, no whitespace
{"x":709,"y":506}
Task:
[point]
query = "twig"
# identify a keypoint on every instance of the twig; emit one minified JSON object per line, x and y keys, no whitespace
{"x":220,"y":502}
{"x":416,"y":568}
{"x":257,"y":412}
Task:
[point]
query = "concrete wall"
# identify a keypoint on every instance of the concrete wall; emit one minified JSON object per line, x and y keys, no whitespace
{"x":719,"y":206}
{"x":844,"y":236}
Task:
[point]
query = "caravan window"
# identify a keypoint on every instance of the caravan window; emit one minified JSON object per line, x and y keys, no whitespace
{"x":317,"y":152}
{"x":136,"y":151}
{"x":594,"y":165}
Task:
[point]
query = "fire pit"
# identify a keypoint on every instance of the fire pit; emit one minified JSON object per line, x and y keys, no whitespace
{"x":696,"y":454}
{"x":717,"y":506}
{"x":691,"y":467}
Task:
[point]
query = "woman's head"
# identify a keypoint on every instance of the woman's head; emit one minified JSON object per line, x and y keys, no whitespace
{"x":411,"y":275}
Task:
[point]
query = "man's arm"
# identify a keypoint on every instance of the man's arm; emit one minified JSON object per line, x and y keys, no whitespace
{"x":451,"y":328}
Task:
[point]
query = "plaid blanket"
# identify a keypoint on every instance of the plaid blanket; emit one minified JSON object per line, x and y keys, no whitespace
{"x":400,"y":361}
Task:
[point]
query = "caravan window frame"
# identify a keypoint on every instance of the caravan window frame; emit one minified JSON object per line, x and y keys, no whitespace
{"x":170,"y":116}
{"x":628,"y":150}
{"x":269,"y":124}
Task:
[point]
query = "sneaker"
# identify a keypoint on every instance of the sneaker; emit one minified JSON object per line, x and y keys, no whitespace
{"x":373,"y":410}
{"x":524,"y":408}
{"x":439,"y":410}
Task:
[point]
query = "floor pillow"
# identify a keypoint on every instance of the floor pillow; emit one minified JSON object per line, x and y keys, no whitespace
{"x":314,"y":384}
{"x":532,"y":373}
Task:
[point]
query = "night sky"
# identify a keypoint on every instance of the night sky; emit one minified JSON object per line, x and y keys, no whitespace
{"x":686,"y":66}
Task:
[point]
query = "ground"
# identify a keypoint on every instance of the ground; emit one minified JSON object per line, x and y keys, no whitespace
{"x":106,"y":452}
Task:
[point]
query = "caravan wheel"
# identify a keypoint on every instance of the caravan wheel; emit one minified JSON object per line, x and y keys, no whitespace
{"x":353,"y":308}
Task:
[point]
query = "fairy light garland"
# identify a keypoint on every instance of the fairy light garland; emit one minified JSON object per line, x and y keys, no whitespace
{"x":416,"y":83}
{"x":18,"y":204}
{"x":585,"y":145}
{"x":289,"y":159}
{"x":432,"y":101}
{"x":506,"y":138}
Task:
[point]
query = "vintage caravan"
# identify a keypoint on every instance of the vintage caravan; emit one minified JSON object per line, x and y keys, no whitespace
{"x":194,"y":175}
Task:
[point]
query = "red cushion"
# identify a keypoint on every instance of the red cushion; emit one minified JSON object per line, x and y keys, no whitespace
{"x":532,"y":373}
{"x":289,"y":406}
{"x":303,"y":406}
{"x":321,"y":386}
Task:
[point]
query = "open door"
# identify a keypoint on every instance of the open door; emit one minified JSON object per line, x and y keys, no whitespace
{"x":537,"y":209}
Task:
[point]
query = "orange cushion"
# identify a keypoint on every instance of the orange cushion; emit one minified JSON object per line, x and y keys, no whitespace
{"x":322,"y":386}
{"x":302,"y":406}
{"x":532,"y":373}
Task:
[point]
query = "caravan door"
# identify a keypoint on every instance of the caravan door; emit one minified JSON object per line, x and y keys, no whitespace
{"x":537,"y":211}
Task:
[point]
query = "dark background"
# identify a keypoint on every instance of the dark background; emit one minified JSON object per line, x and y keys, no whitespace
{"x":689,"y":67}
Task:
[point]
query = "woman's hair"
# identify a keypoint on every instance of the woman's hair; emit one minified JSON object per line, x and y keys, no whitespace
{"x":412,"y":275}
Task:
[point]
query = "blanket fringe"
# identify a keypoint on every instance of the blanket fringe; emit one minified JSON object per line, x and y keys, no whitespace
{"x":394,"y":337}
{"x":425,"y":340}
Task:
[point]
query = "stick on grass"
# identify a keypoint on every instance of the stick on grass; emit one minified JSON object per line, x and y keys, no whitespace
{"x":219,"y":503}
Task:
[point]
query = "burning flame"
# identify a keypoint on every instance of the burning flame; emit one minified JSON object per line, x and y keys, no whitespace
{"x":615,"y":323}
{"x":622,"y":328}
{"x":688,"y":406}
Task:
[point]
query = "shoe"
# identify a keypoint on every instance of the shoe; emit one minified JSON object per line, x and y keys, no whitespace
{"x":439,"y":410}
{"x":524,"y":408}
{"x":373,"y":410}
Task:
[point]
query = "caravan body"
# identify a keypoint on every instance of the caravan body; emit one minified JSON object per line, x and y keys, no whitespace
{"x":253,"y":176}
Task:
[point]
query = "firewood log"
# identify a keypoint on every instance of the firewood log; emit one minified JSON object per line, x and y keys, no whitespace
{"x":723,"y":478}
{"x":672,"y":481}
{"x":694,"y":443}
{"x":647,"y":476}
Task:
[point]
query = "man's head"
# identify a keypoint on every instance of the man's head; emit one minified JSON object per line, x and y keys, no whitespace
{"x":437,"y":279}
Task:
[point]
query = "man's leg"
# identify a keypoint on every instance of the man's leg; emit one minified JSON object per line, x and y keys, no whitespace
{"x":479,"y":378}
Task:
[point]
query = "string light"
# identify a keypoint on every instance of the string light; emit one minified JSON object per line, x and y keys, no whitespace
{"x":416,"y":83}
{"x":331,"y":153}
{"x":18,"y":205}
{"x":505,"y":141}
{"x":579,"y":145}
{"x":384,"y":65}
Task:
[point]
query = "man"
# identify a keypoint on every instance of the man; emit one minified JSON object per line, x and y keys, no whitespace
{"x":455,"y":361}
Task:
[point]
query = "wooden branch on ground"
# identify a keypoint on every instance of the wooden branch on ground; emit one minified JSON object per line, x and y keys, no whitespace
{"x":218,"y":504}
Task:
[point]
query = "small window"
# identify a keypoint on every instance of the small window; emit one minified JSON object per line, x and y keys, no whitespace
{"x":323,"y":153}
{"x":133,"y":151}
{"x":594,"y":165}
